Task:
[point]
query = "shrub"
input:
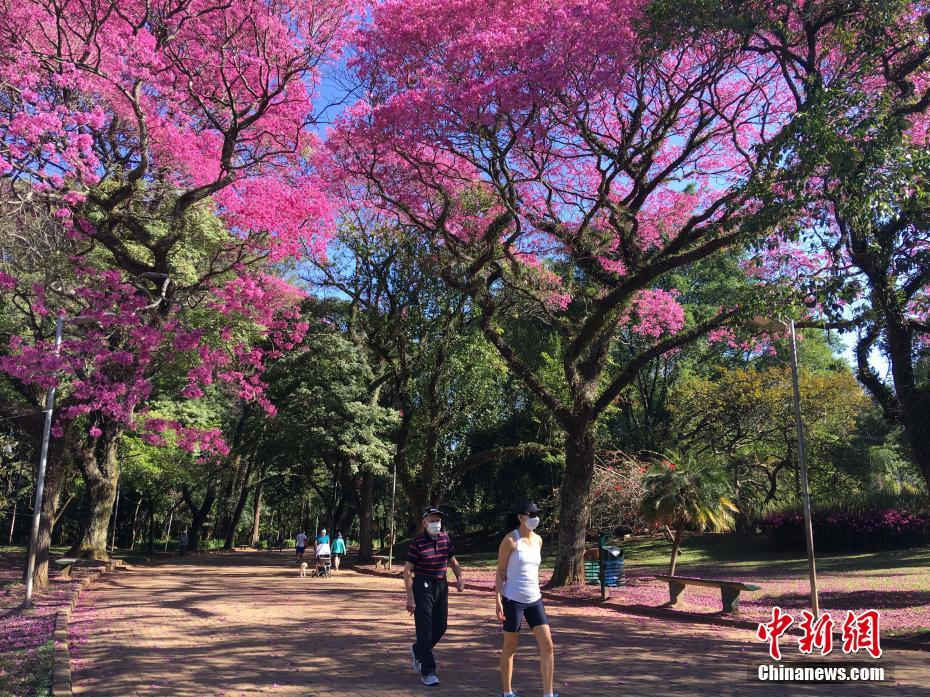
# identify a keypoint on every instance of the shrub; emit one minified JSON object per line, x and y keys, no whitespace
{"x":617,"y":493}
{"x":850,"y":530}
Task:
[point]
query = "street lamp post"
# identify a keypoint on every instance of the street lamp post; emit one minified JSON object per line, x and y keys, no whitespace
{"x":802,"y":459}
{"x":802,"y":465}
{"x":40,"y":477}
{"x":116,"y":515}
{"x":393,"y":495}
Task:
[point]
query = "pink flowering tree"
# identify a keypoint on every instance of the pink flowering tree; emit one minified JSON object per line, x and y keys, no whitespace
{"x":861,"y":255}
{"x":169,"y":141}
{"x":563,"y":160}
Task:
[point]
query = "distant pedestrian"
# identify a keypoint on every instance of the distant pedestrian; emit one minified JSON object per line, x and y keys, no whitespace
{"x":339,"y":549}
{"x":301,"y":544}
{"x":428,"y":556}
{"x":519,"y":597}
{"x":322,"y":538}
{"x":182,"y":543}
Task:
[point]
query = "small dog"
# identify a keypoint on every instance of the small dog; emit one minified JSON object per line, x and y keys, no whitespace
{"x":303,"y":569}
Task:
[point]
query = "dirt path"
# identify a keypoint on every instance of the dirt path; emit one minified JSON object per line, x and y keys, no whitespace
{"x":244,"y":624}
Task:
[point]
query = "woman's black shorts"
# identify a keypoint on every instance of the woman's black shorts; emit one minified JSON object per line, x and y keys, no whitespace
{"x":514,"y":612}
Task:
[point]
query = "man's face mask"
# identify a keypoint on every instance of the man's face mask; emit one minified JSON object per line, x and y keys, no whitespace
{"x":433,"y":528}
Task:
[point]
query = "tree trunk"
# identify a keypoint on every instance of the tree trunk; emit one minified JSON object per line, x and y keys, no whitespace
{"x":115,"y":520}
{"x":236,"y":516}
{"x":240,"y":491}
{"x":100,"y":468}
{"x":167,"y":534}
{"x":676,"y":544}
{"x":150,"y":541}
{"x":916,"y":419}
{"x":908,"y":405}
{"x":422,"y":493}
{"x":199,"y":514}
{"x":257,"y":513}
{"x":12,"y":524}
{"x":366,"y":504}
{"x":55,"y":476}
{"x":574,"y":507}
{"x":132,"y":529}
{"x":400,"y":461}
{"x":335,"y":500}
{"x":222,"y":502}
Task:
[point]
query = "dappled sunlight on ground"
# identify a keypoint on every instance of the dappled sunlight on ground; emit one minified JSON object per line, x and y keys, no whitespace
{"x":244,"y":624}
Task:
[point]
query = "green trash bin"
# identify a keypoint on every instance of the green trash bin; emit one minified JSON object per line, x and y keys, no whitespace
{"x":611,"y":558}
{"x":592,"y":572}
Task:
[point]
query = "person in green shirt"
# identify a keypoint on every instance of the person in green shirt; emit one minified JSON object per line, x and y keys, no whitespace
{"x":339,"y":550}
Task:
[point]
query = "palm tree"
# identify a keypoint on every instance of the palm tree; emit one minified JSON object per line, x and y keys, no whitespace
{"x":682,"y":492}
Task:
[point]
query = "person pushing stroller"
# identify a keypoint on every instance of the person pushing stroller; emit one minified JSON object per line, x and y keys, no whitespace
{"x":324,"y":556}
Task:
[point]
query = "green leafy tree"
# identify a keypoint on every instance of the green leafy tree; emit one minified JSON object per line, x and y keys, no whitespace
{"x":326,"y":421}
{"x":742,"y":418}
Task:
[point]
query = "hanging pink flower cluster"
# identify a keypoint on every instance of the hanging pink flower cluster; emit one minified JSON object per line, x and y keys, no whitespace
{"x":658,"y":312}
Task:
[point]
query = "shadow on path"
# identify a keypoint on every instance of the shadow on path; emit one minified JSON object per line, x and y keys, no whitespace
{"x":245,"y":624}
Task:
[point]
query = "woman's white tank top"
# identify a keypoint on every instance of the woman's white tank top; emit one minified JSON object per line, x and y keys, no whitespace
{"x":522,"y":583}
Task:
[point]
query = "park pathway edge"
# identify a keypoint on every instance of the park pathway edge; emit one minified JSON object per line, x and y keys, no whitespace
{"x":61,"y":668}
{"x":661,"y":613}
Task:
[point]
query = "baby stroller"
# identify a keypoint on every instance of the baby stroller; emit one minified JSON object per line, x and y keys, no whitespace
{"x":323,"y":565}
{"x":323,"y":561}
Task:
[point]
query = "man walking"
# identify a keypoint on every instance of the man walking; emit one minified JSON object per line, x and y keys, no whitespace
{"x":301,"y":544}
{"x":428,"y":556}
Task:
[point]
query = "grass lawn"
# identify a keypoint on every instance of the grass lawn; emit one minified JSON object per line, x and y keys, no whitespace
{"x":26,"y":644}
{"x":896,"y":582}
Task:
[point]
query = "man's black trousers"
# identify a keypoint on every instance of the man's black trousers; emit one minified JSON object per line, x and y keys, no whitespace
{"x":431,"y":596}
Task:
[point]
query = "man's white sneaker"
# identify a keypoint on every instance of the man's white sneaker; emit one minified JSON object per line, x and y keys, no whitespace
{"x":430,"y":679}
{"x":416,"y":663}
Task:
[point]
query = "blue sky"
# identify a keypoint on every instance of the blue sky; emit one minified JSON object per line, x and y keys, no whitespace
{"x":334,"y":95}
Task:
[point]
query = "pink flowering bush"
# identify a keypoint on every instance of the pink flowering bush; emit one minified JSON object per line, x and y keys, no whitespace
{"x":837,"y":530}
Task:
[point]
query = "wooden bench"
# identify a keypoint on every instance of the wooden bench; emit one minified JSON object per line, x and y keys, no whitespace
{"x":66,"y":564}
{"x":729,"y":590}
{"x":381,"y":561}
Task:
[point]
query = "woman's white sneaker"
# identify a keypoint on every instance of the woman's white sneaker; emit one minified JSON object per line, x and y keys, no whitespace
{"x":430,"y":679}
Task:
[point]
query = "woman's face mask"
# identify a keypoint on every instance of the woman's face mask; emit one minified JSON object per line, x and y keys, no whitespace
{"x":531,"y":523}
{"x":434,"y":528}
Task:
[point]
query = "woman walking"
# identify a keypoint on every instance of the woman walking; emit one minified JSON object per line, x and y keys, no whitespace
{"x":519,"y":597}
{"x":339,"y":549}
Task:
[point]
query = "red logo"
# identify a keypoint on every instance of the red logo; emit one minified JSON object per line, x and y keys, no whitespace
{"x":860,"y":632}
{"x":817,"y":634}
{"x":771,"y":631}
